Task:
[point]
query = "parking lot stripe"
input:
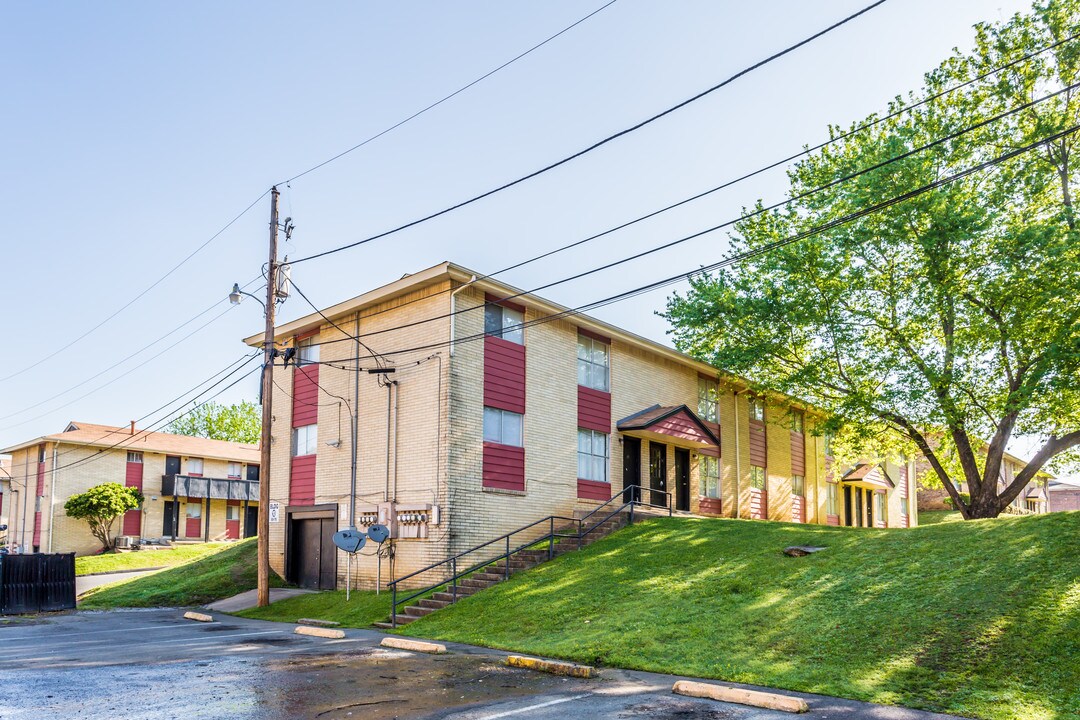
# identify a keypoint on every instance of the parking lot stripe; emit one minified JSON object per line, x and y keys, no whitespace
{"x":537,"y":706}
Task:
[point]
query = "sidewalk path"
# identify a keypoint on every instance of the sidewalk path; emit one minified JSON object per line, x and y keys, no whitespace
{"x":249,"y":599}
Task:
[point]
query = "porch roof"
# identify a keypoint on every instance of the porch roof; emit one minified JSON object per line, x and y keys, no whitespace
{"x":869,"y":476}
{"x":675,"y":424}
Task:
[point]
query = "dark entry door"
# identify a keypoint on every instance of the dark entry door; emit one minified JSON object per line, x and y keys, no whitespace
{"x":658,"y":473}
{"x":849,"y":518}
{"x":682,"y":479}
{"x":251,"y":521}
{"x":631,"y":469}
{"x":307,"y":552}
{"x":869,"y":509}
{"x":168,"y":528}
{"x":172,"y":465}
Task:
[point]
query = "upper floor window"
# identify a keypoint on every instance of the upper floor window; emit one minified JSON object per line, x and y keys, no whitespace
{"x":234,"y":470}
{"x":757,"y":408}
{"x":504,"y":322}
{"x":827,"y":440}
{"x":305,"y":440}
{"x":710,"y":476}
{"x":592,"y":363}
{"x":592,"y":455}
{"x":707,"y":393}
{"x":307,"y":351}
{"x":195,"y":466}
{"x":796,"y":422}
{"x":134,"y":457}
{"x":502,"y":426}
{"x":41,"y":454}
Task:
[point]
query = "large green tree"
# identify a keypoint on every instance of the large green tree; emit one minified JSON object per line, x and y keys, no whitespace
{"x":951,"y":317}
{"x":241,"y":422}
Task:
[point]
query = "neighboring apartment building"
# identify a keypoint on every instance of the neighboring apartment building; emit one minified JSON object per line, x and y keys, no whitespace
{"x":195,"y":489}
{"x":1051,"y":495}
{"x":496,"y":415}
{"x":1028,"y":501}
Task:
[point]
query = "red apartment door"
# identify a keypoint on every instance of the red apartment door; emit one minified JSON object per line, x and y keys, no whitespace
{"x":133,"y":477}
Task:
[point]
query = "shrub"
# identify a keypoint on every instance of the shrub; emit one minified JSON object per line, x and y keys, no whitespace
{"x":100,"y":506}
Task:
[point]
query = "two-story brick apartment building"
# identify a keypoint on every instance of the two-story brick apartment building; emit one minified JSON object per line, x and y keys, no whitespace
{"x":195,"y":489}
{"x":504,"y":408}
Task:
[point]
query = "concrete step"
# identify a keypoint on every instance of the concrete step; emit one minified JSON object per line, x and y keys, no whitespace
{"x":473,"y":582}
{"x":446,"y":597}
{"x":433,"y":603}
{"x":493,"y":577}
{"x":415,"y":611}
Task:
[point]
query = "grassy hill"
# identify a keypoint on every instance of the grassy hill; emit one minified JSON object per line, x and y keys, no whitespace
{"x":978,"y":618}
{"x":224,"y":572}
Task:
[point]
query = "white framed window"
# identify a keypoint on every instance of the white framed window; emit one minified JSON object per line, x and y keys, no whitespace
{"x":882,"y":508}
{"x":796,"y":422}
{"x":305,"y":440}
{"x":134,"y":457}
{"x":592,"y":455}
{"x":234,"y":470}
{"x":707,"y":393}
{"x":502,"y":426}
{"x":592,"y":363}
{"x":232,"y":512}
{"x":798,"y":485}
{"x":757,"y":408}
{"x":827,"y":442}
{"x":710,"y":476}
{"x":832,"y":500}
{"x":307,"y":351}
{"x":504,"y":322}
{"x":194,"y":466}
{"x":193,"y":510}
{"x":757,"y":477}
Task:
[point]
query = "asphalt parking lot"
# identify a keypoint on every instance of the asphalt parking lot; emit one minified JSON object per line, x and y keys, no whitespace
{"x":155,"y":664}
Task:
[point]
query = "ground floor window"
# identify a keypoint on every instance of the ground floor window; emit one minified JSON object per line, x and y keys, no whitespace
{"x":592,"y":455}
{"x":832,"y":499}
{"x":710,"y":476}
{"x":879,"y":502}
{"x":502,"y":426}
{"x":757,"y":477}
{"x":232,"y":512}
{"x":798,"y":485}
{"x":193,"y":510}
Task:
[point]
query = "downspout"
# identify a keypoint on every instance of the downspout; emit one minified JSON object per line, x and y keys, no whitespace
{"x":52,"y":499}
{"x":453,"y":310}
{"x":738,"y":455}
{"x":354,"y":421}
{"x":26,"y":497}
{"x":397,"y":391}
{"x":386,"y":489}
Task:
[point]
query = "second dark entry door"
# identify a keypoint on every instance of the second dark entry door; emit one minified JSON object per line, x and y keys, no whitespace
{"x":631,"y":469}
{"x":682,"y":479}
{"x":658,"y":474}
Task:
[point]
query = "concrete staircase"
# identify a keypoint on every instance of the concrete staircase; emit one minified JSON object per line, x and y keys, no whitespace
{"x":495,"y":572}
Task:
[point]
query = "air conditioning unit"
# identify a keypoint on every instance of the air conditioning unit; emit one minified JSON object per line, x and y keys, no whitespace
{"x":123,"y":541}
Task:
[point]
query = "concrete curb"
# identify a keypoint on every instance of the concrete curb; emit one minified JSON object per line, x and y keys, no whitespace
{"x":556,"y":667}
{"x":320,"y":632}
{"x":201,"y":617}
{"x":755,"y":698}
{"x":414,"y":645}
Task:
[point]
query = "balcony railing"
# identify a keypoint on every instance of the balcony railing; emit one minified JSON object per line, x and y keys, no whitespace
{"x":204,"y":487}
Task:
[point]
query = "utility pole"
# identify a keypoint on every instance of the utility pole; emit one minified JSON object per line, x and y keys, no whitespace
{"x":263,"y":560}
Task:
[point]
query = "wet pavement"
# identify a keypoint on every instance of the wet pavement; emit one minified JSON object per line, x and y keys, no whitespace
{"x":155,"y":664}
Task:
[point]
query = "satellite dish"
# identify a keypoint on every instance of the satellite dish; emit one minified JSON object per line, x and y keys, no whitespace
{"x":350,"y":540}
{"x":378,"y":533}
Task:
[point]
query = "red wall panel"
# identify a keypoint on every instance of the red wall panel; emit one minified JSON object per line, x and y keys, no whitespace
{"x":504,"y":467}
{"x":593,"y":490}
{"x":302,"y":480}
{"x":757,"y":443}
{"x":504,"y":374}
{"x":305,"y":395}
{"x":798,"y":454}
{"x":798,"y":509}
{"x":712,"y":451}
{"x":759,"y":504}
{"x":193,"y":528}
{"x":594,"y":409}
{"x":133,"y":477}
{"x":710,"y":506}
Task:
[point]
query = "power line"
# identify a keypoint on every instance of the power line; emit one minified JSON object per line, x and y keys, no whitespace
{"x":602,"y":142}
{"x":768,"y":247}
{"x":460,"y":90}
{"x":135,"y":299}
{"x":728,"y":223}
{"x":747,"y":176}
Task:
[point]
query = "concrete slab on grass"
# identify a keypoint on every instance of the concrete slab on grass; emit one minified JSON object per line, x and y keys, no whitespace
{"x":250,"y":599}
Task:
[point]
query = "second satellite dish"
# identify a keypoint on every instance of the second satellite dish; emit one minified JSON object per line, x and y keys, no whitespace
{"x":378,"y":533}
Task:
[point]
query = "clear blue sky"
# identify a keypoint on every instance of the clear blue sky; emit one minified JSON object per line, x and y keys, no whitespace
{"x":133,"y":131}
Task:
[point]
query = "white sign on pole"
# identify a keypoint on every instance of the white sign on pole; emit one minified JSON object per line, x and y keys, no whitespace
{"x":275,"y":512}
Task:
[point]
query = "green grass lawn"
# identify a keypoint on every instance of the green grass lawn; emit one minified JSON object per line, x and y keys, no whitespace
{"x":936,"y":517}
{"x":976,"y":618}
{"x":361,"y":610}
{"x":226,"y":572}
{"x":119,"y":562}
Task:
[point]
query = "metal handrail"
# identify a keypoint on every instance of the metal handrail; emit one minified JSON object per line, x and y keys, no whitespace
{"x":550,"y":538}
